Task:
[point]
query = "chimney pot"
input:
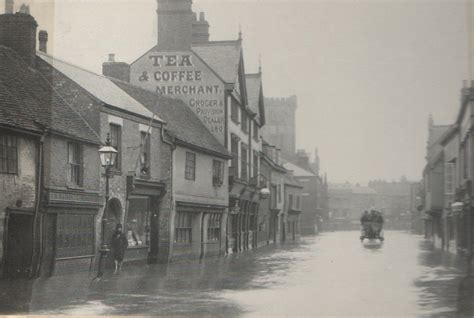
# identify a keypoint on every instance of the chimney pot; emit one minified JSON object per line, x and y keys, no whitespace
{"x":111,"y":57}
{"x":8,"y":6}
{"x":18,"y":32}
{"x":43,"y":41}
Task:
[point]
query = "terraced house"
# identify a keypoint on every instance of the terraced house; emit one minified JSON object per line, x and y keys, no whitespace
{"x":48,"y":164}
{"x":209,"y":77}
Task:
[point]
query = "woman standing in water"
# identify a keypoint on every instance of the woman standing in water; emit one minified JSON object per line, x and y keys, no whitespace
{"x":119,"y":244}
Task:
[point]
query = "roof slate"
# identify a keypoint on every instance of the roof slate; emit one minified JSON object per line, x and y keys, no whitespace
{"x":99,"y":86}
{"x":182,"y":122}
{"x":222,"y":56}
{"x":29,"y":101}
{"x":297,"y":170}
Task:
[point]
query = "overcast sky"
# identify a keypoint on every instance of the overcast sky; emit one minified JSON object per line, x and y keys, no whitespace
{"x":367,"y":73}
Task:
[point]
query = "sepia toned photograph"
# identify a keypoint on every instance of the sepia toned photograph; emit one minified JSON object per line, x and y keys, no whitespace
{"x":236,"y":158}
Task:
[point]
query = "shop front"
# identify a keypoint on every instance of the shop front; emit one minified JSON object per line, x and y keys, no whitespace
{"x":243,"y":222}
{"x":69,"y":231}
{"x":142,"y":219}
{"x":198,"y":231}
{"x":293,"y":225}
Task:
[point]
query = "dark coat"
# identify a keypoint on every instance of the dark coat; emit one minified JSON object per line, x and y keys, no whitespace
{"x":119,"y":245}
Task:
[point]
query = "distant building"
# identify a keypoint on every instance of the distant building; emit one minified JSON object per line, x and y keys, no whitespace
{"x":279,"y":129}
{"x":433,"y":178}
{"x":271,"y":214}
{"x":293,"y":208}
{"x":393,"y":200}
{"x":347,"y":202}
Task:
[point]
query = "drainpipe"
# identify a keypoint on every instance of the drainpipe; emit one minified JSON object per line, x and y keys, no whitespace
{"x":173,"y":147}
{"x":36,"y":218}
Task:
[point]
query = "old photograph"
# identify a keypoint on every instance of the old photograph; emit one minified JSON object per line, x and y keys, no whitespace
{"x":237,"y":158}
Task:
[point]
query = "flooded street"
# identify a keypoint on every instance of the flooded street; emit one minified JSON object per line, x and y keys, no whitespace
{"x":332,"y":274}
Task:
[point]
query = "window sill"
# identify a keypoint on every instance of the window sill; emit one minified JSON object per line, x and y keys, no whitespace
{"x":75,"y":187}
{"x":137,"y":247}
{"x":183,"y":244}
{"x":116,"y":172}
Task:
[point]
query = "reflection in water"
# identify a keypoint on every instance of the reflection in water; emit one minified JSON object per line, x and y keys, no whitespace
{"x":332,"y":274}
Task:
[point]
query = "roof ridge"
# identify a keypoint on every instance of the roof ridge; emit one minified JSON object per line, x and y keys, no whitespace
{"x":253,"y":74}
{"x":221,"y":42}
{"x":72,"y":65}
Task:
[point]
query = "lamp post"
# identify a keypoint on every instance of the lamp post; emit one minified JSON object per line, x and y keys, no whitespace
{"x":108,"y":155}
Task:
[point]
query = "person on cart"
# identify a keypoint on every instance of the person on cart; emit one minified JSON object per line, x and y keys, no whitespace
{"x":365,"y":222}
{"x":377,"y":223}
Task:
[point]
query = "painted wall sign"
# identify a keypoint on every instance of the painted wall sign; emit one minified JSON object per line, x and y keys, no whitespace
{"x":184,"y":76}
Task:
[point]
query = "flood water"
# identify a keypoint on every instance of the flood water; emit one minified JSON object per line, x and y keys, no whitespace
{"x":331,"y":274}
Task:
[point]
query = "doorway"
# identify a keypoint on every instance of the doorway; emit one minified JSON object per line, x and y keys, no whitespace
{"x":19,"y":244}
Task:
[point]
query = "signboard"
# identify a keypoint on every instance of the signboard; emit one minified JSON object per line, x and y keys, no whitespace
{"x":184,"y":76}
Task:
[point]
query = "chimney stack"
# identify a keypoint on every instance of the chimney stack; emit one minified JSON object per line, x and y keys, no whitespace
{"x":175,"y":21}
{"x":117,"y":70}
{"x":18,"y":32}
{"x":8,"y":6}
{"x":302,"y":159}
{"x":200,"y":30}
{"x":43,"y":41}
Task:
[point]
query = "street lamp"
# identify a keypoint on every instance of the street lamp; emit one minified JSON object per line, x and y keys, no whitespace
{"x":108,"y":155}
{"x":457,"y":207}
{"x":264,"y":193}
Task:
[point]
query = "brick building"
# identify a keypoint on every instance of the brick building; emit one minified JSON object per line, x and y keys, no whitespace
{"x":271,"y":213}
{"x":293,"y":194}
{"x":48,"y":164}
{"x":209,"y":77}
{"x":200,"y":193}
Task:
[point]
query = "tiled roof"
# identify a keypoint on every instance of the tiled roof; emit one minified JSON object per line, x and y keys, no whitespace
{"x":222,"y":56}
{"x":297,"y":170}
{"x":99,"y":86}
{"x":29,"y":101}
{"x":181,"y":122}
{"x":436,"y":132}
{"x":290,"y":180}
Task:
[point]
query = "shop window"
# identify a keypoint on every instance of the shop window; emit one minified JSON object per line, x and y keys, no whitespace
{"x":217,"y":173}
{"x":190,"y":166}
{"x":116,"y":142}
{"x":8,"y":153}
{"x":74,"y":235}
{"x":138,"y":228}
{"x":244,"y":162}
{"x":74,"y":158}
{"x":145,"y":153}
{"x":183,"y":227}
{"x":214,"y":227}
